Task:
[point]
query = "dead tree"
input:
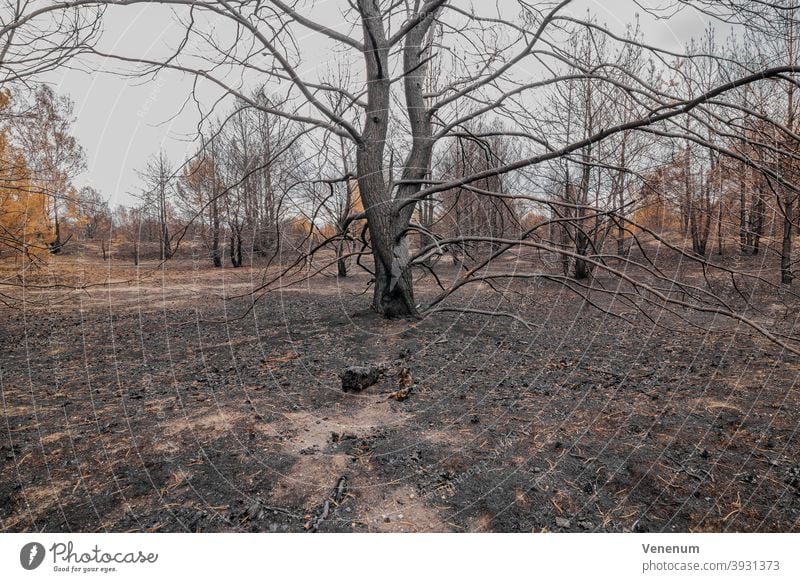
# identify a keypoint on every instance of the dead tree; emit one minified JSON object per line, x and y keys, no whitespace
{"x":501,"y":76}
{"x":159,"y":180}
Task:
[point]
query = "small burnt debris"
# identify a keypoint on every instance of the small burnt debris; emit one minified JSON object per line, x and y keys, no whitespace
{"x":359,"y":378}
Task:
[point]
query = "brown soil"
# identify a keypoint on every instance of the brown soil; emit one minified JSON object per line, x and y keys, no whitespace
{"x":163,"y":406}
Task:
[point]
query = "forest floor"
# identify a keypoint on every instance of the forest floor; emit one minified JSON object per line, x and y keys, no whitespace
{"x":166,"y":405}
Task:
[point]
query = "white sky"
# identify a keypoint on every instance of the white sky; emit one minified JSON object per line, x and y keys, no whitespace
{"x":121,"y":122}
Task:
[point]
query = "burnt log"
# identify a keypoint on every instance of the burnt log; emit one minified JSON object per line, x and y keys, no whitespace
{"x":358,"y":378}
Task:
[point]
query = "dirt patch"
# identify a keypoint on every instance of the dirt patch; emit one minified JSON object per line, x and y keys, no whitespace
{"x":214,"y":423}
{"x":400,"y":510}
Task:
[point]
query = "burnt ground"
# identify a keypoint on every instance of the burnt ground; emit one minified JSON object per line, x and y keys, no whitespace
{"x":162,"y":406}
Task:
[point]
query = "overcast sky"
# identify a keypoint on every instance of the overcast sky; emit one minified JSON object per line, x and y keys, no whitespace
{"x":122,"y":121}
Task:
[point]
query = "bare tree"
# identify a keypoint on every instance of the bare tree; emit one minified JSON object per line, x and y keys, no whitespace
{"x":43,"y":130}
{"x":200,"y":190}
{"x":92,"y":216}
{"x":156,"y":198}
{"x":396,"y":119}
{"x":463,"y":213}
{"x":127,"y":221}
{"x":37,"y":36}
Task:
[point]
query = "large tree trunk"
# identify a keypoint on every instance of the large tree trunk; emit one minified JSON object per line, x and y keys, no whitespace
{"x":394,"y":293}
{"x":378,"y":203}
{"x":388,"y":217}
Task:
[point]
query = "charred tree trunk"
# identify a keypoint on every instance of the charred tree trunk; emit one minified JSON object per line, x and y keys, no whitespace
{"x":581,"y":268}
{"x":565,"y":244}
{"x":216,"y":255}
{"x":166,"y":251}
{"x":388,"y":217}
{"x":582,"y":246}
{"x":744,"y":234}
{"x":757,"y":213}
{"x":700,"y":220}
{"x":426,"y":221}
{"x":394,"y":292}
{"x":621,"y":217}
{"x":55,"y":247}
{"x":786,"y":247}
{"x":392,"y":297}
{"x":788,"y":208}
{"x":341,"y":264}
{"x":236,"y":248}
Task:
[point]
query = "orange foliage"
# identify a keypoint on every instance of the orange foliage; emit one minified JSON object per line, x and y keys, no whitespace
{"x":24,"y":223}
{"x":356,"y":204}
{"x":299,"y":226}
{"x":327,"y":231}
{"x":655,"y":215}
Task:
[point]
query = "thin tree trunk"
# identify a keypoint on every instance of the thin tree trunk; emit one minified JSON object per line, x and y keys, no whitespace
{"x":341,"y":264}
{"x":215,"y":234}
{"x":234,"y":256}
{"x":621,"y":224}
{"x":581,"y":269}
{"x":744,"y":234}
{"x":166,"y":252}
{"x":236,"y":248}
{"x":786,"y":249}
{"x":55,"y":248}
{"x":757,"y":221}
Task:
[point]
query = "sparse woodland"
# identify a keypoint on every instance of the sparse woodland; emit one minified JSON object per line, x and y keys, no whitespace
{"x":562,"y":256}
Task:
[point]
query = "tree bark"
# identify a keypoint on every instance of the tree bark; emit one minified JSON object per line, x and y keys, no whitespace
{"x":341,"y":264}
{"x":236,"y":249}
{"x":166,"y":251}
{"x":55,"y":248}
{"x":216,"y":256}
{"x":786,"y":248}
{"x":388,"y":217}
{"x":757,"y":221}
{"x":744,"y":234}
{"x":581,"y":268}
